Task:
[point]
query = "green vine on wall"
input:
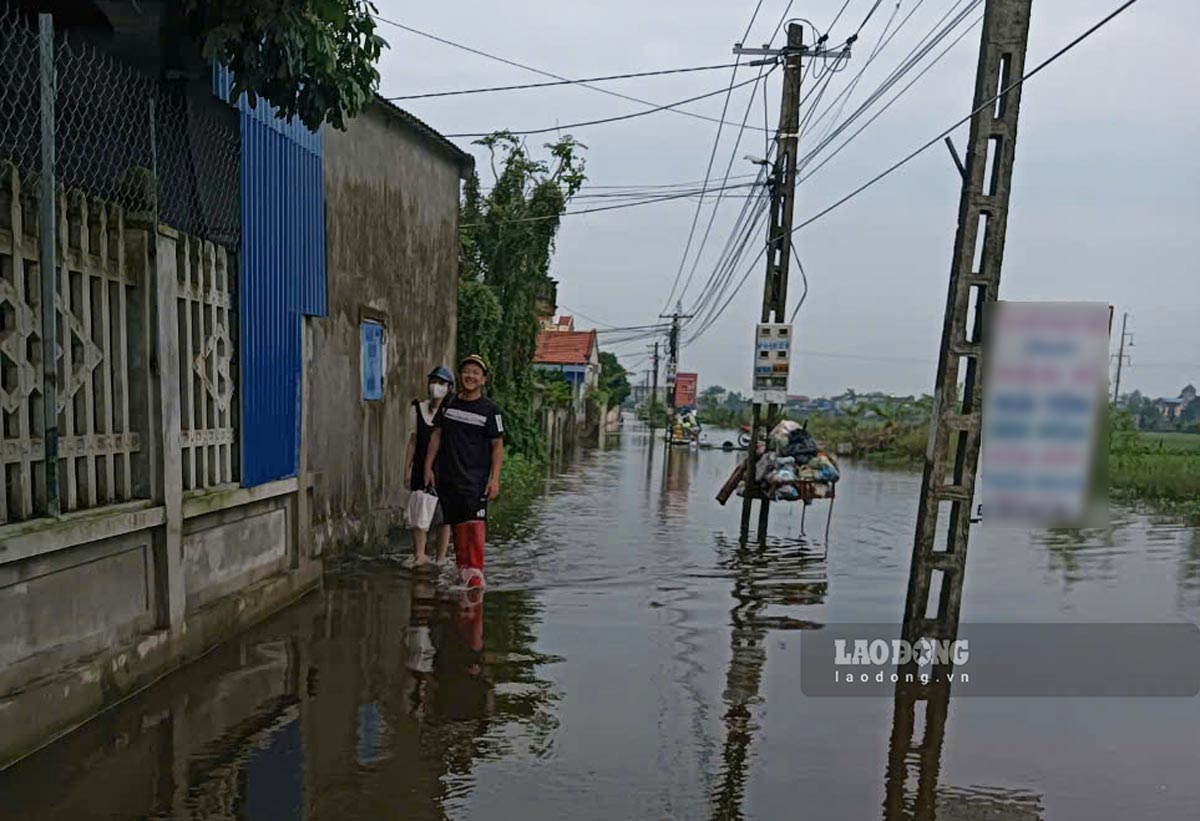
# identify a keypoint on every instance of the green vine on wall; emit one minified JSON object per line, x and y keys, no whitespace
{"x":506,"y":239}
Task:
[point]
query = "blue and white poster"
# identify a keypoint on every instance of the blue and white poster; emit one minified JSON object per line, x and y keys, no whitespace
{"x":372,"y":361}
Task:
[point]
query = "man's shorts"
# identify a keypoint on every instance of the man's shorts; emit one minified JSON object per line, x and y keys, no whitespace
{"x":461,"y":506}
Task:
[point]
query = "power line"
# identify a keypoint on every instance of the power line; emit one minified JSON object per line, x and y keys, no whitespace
{"x":727,"y":265}
{"x":712,"y":216}
{"x":1045,"y":63}
{"x":896,"y":166}
{"x":880,"y":44}
{"x":812,"y":155}
{"x":870,"y":14}
{"x":522,"y":86}
{"x":910,"y":61}
{"x":573,"y":312}
{"x":618,"y":118}
{"x":747,"y":225}
{"x":687,"y":184}
{"x":887,"y":172}
{"x":648,"y":201}
{"x":883,"y":42}
{"x":712,"y":157}
{"x":539,"y":71}
{"x":803,"y":276}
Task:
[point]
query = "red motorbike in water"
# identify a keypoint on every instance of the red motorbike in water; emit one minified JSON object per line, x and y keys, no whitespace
{"x":744,"y":437}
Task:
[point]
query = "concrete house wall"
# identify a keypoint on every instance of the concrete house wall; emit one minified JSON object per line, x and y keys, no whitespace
{"x":391,"y":194}
{"x":101,"y":602}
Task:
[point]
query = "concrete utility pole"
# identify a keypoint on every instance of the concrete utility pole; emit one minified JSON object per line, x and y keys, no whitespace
{"x":779,"y":238}
{"x":672,"y":361}
{"x":974,"y":279}
{"x":955,"y":432}
{"x":653,"y":389}
{"x":1121,"y":356}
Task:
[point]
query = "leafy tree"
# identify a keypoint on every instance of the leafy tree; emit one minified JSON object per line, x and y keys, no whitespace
{"x":1142,"y":409}
{"x":1190,"y":415}
{"x":506,"y":238}
{"x":557,"y":389}
{"x":479,"y":314}
{"x":312,"y":59}
{"x":614,"y":379}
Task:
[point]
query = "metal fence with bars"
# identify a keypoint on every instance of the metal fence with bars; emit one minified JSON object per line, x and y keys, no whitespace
{"x":126,"y":150}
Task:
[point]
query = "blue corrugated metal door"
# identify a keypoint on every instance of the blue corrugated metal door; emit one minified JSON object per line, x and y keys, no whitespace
{"x":281,"y":276}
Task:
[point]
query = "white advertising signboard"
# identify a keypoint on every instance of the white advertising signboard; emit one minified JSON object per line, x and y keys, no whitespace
{"x":1044,"y":394}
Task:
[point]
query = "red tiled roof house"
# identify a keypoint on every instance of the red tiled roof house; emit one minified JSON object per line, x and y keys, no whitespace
{"x":574,"y":354}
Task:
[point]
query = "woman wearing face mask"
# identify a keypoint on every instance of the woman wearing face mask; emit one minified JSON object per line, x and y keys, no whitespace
{"x":420,"y":422}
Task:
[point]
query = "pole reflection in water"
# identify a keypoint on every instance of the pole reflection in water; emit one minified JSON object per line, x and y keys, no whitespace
{"x":776,"y":575}
{"x":914,"y":764}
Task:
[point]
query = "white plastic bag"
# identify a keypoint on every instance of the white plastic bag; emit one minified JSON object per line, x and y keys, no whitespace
{"x":421,"y":507}
{"x":780,"y":434}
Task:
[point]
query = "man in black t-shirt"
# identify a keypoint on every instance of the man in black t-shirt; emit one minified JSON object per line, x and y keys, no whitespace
{"x":465,"y":452}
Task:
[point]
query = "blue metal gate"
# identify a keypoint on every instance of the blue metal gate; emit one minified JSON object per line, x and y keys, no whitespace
{"x":281,"y":278}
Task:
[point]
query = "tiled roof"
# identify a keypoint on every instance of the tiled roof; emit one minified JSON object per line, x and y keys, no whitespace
{"x":564,"y":347}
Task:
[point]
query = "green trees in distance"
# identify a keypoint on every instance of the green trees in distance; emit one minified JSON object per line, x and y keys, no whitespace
{"x":506,"y":238}
{"x":614,"y":380}
{"x":1146,"y":415}
{"x":721,"y":408}
{"x":312,"y":59}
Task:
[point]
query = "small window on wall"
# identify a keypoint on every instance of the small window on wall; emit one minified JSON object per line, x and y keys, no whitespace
{"x":373,"y":357}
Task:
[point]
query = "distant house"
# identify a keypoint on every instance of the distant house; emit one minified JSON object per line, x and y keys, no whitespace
{"x":1169,"y":408}
{"x":1173,"y":408}
{"x":559,"y":324}
{"x":574,"y":354}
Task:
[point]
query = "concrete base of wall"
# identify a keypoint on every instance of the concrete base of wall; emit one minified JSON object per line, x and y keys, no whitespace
{"x":47,"y":708}
{"x":348,"y":533}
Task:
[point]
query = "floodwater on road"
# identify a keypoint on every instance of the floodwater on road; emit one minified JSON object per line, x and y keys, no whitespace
{"x":631,"y":660}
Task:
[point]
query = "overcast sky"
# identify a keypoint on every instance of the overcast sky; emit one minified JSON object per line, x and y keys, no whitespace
{"x":1105,"y":203}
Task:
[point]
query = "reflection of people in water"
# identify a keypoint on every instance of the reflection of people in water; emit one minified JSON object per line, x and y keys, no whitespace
{"x":445,"y":655}
{"x":421,"y":651}
{"x":465,"y":688}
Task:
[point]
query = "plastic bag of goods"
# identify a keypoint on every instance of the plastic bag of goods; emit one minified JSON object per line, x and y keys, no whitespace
{"x":780,"y":434}
{"x":786,"y":493}
{"x":825,"y":469}
{"x":764,"y":465}
{"x":421,"y":507}
{"x":782,"y":476}
{"x":801,"y":445}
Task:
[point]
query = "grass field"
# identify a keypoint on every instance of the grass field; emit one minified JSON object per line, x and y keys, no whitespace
{"x":1170,"y":442}
{"x":1161,"y":468}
